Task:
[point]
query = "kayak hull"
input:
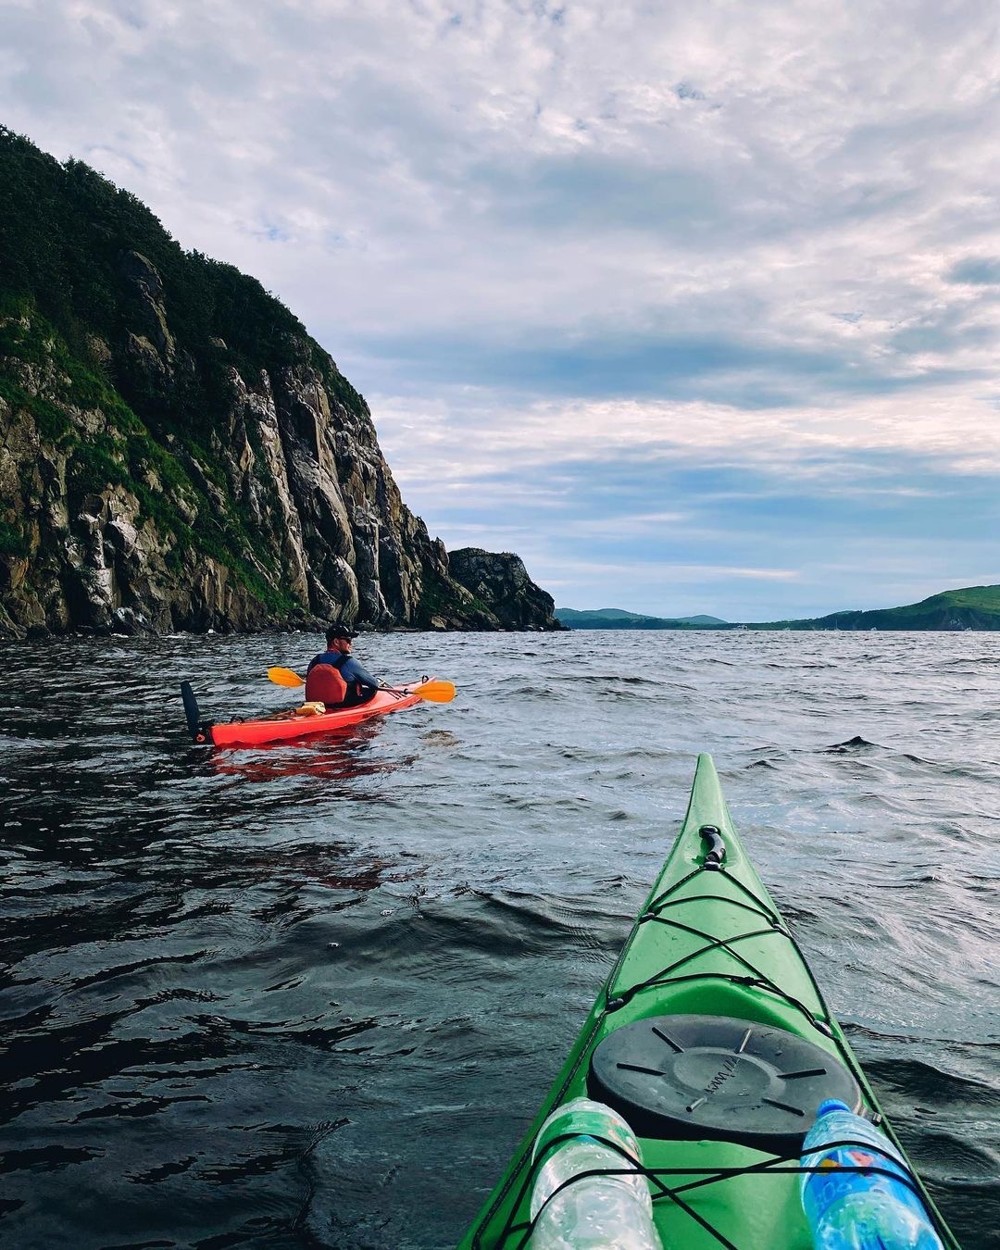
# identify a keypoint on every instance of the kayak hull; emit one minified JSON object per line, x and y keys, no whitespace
{"x":709,"y":945}
{"x":288,"y":727}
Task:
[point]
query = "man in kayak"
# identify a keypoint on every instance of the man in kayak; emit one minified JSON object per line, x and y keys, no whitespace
{"x":335,"y":677}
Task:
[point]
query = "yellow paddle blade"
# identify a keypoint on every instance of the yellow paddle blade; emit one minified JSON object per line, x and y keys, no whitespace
{"x":436,"y":691}
{"x":285,"y":677}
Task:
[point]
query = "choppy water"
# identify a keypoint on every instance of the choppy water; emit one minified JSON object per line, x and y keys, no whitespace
{"x":312,"y":995}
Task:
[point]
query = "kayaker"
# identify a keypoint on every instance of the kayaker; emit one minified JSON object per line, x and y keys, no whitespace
{"x":335,"y":677}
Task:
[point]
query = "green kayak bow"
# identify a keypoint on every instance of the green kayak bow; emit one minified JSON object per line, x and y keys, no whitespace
{"x":712,"y":1039}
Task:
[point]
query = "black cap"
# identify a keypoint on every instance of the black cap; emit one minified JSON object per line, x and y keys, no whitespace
{"x":339,"y":629}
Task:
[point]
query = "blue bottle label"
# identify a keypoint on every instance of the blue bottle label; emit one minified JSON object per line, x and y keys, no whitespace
{"x":835,"y":1177}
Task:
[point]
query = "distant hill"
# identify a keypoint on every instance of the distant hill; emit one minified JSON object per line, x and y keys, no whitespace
{"x":974,"y":607}
{"x":618,"y":618}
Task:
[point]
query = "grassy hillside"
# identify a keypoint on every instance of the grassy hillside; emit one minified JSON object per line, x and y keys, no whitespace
{"x":973,"y":607}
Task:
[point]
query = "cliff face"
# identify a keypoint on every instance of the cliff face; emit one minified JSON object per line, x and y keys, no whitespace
{"x":175,"y":451}
{"x":286,"y":511}
{"x":501,"y":583}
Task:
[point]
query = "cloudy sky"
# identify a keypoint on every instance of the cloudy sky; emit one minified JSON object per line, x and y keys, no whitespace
{"x":694,"y":306}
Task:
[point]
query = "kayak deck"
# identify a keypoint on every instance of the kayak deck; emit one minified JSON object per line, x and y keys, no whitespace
{"x":287,"y":726}
{"x":719,"y":1119}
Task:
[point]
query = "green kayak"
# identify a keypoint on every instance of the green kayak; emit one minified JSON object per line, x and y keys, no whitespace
{"x":712,"y":1039}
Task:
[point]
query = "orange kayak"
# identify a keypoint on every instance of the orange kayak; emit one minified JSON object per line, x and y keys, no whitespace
{"x":285,"y":726}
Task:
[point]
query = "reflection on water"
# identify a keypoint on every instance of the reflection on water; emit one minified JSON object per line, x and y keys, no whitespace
{"x":311,"y":994}
{"x":343,"y":755}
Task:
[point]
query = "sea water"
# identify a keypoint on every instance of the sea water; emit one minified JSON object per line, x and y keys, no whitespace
{"x":314,"y":994}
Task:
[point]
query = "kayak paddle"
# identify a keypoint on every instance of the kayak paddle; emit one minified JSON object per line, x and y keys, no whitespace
{"x":285,"y":677}
{"x":197,"y":728}
{"x":436,"y":691}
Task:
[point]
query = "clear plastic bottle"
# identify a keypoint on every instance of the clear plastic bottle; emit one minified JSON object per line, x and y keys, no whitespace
{"x":851,"y":1210}
{"x":598,"y":1212}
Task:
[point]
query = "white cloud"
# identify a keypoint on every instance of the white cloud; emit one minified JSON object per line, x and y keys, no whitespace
{"x":496,"y":432}
{"x":662,"y":574}
{"x":713,"y":236}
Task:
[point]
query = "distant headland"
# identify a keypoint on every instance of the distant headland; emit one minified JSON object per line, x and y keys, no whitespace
{"x":971,"y":608}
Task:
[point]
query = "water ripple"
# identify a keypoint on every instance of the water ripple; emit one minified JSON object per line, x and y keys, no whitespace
{"x":284,"y":997}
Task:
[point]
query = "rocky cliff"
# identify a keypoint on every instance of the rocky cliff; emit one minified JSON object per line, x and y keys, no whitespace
{"x":175,"y":451}
{"x":501,"y":583}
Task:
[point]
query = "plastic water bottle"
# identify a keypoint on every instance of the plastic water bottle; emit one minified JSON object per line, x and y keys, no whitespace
{"x":596,"y":1212}
{"x":851,"y":1210}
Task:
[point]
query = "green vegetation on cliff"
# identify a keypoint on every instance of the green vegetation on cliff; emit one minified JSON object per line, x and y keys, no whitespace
{"x":63,"y":232}
{"x":175,"y":450}
{"x":70,"y":305}
{"x":126,"y":452}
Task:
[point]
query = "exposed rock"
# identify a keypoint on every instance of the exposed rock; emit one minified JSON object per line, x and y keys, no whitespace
{"x":177,"y":453}
{"x":147,"y":287}
{"x":501,"y":583}
{"x":293,"y":518}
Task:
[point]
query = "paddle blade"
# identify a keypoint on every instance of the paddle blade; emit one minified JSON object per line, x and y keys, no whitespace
{"x":436,"y":691}
{"x":285,"y":677}
{"x":199,"y":729}
{"x":191,"y":710}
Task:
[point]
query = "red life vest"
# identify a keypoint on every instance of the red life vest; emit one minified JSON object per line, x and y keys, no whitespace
{"x":324,"y":684}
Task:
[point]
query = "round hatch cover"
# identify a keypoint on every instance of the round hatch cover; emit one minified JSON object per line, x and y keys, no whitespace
{"x":717,"y":1077}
